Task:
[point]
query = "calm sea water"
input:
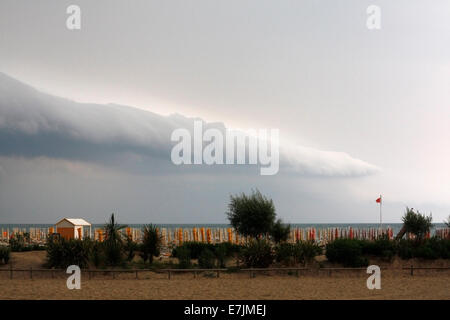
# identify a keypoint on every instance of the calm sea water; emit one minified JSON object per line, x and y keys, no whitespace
{"x":395,"y":226}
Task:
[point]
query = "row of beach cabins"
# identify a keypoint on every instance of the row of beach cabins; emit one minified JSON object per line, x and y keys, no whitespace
{"x":176,"y":236}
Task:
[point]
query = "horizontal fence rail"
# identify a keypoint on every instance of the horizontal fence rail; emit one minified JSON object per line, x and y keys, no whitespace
{"x":252,"y":271}
{"x":412,"y":268}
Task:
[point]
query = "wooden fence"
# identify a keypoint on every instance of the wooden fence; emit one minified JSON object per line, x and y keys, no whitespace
{"x":252,"y":271}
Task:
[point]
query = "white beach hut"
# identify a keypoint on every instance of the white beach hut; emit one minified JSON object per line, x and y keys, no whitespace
{"x":70,"y":228}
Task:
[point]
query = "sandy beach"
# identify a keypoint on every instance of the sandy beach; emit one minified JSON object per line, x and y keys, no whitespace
{"x":261,"y":287}
{"x":395,"y":284}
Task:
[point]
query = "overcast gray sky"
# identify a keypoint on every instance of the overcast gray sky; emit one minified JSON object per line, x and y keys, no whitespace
{"x":312,"y":69}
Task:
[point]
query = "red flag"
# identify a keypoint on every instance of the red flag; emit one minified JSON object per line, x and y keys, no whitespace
{"x":379,"y":200}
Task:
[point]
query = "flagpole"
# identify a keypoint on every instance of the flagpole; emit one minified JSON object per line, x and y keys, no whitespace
{"x":381,"y":220}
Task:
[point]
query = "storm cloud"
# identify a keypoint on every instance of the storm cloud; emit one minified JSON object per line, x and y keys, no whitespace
{"x":34,"y":124}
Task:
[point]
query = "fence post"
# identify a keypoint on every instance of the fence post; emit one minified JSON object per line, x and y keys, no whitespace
{"x":31,"y":273}
{"x":412,"y":270}
{"x":218,"y":273}
{"x":10,"y":271}
{"x":168,"y":273}
{"x":136,"y":274}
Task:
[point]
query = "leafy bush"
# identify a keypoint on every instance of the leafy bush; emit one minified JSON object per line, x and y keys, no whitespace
{"x":284,"y":253}
{"x":416,"y":223}
{"x":184,"y":257}
{"x":130,"y":248}
{"x":280,"y":232}
{"x":257,"y":253}
{"x":305,"y":251}
{"x":221,"y":251}
{"x":97,"y":256}
{"x":151,"y":243}
{"x":441,"y":247}
{"x":113,"y":252}
{"x":381,"y":247}
{"x":195,"y":248}
{"x":405,"y":249}
{"x":230,"y":248}
{"x":347,"y":252}
{"x":206,"y":259}
{"x":252,"y":215}
{"x":433,"y":248}
{"x":62,"y":253}
{"x":113,"y":244}
{"x":17,"y":243}
{"x":224,"y":251}
{"x":5,"y":254}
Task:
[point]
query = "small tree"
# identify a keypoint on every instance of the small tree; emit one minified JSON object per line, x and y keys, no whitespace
{"x":151,"y":243}
{"x":252,"y":215}
{"x":113,"y":243}
{"x":416,"y":223}
{"x":130,"y":247}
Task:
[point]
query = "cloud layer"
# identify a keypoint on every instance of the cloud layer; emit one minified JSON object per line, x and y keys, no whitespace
{"x":35,"y":124}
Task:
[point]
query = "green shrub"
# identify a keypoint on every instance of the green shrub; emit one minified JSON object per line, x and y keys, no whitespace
{"x":417,"y":223}
{"x":347,"y":252}
{"x":280,"y":232}
{"x":96,"y":254}
{"x":17,"y":243}
{"x":130,"y":248}
{"x":251,"y":215}
{"x":5,"y":254}
{"x":305,"y":251}
{"x":151,"y":243}
{"x":62,"y":253}
{"x":184,"y":257}
{"x":224,"y":251}
{"x":221,"y":252}
{"x":257,"y":253}
{"x":440,"y":247}
{"x":433,"y":248}
{"x":284,"y":253}
{"x":405,"y":249}
{"x":426,"y":252}
{"x":230,"y":248}
{"x":381,"y":247}
{"x":114,"y":242}
{"x":206,"y":259}
{"x":195,"y":248}
{"x":113,"y":252}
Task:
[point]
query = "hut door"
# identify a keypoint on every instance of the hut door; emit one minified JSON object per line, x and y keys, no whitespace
{"x":79,"y":233}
